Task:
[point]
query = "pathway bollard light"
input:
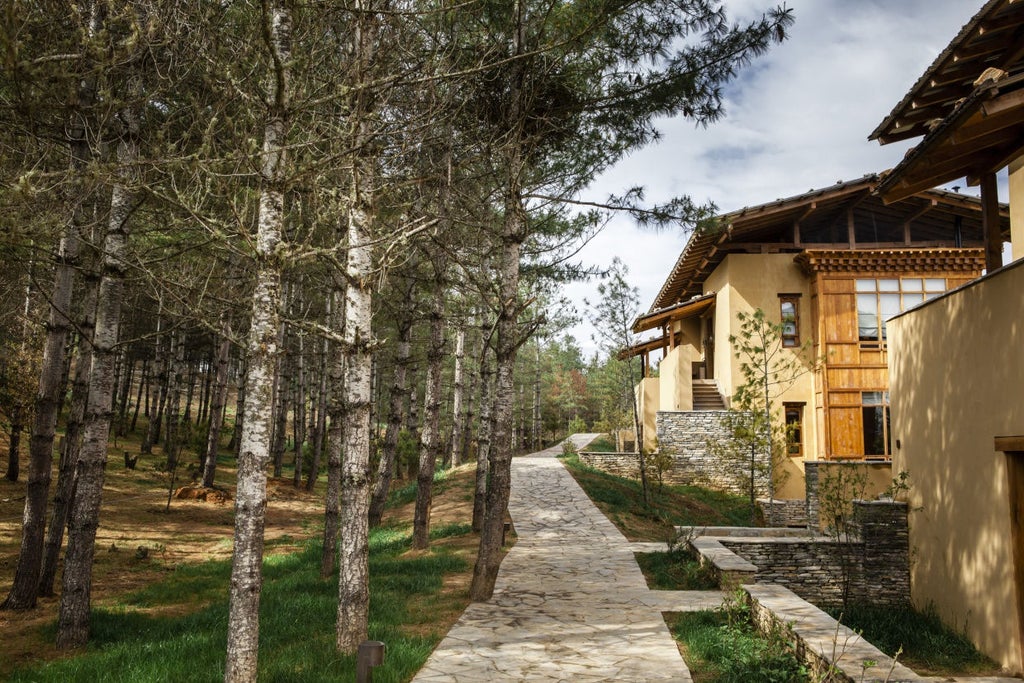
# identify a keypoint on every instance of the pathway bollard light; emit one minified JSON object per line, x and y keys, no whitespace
{"x":371,"y":654}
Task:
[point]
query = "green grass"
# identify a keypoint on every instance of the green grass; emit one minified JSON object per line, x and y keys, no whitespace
{"x":722,"y":646}
{"x":297,"y":620}
{"x":675,"y":571}
{"x":928,"y":645}
{"x":407,"y":493}
{"x":621,"y":500}
{"x":602,"y":444}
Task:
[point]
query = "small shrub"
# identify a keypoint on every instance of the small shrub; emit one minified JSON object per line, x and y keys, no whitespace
{"x":569,"y":449}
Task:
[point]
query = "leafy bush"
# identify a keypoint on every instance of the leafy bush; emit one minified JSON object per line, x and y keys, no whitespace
{"x":569,"y":448}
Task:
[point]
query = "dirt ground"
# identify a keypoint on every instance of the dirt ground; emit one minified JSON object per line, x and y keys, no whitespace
{"x":140,"y":540}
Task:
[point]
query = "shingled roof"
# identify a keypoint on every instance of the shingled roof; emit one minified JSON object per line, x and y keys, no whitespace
{"x":993,"y":38}
{"x":779,"y":226}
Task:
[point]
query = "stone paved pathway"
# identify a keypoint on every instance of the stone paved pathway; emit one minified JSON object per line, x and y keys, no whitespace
{"x":570,"y":603}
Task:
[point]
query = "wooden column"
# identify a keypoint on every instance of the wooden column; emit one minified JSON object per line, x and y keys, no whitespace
{"x":1013,"y":446}
{"x":990,"y":221}
{"x":851,"y":233}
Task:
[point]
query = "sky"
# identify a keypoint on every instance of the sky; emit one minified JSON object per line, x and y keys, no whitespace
{"x":798,"y":118}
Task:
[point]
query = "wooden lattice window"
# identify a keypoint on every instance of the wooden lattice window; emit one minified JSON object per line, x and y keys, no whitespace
{"x":789,"y":310}
{"x":794,"y":414}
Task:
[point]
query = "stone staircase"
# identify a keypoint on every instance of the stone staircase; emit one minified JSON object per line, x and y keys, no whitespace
{"x":706,"y":395}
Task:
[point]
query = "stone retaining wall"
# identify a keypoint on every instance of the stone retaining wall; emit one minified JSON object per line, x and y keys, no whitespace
{"x":619,"y":464}
{"x":782,"y":512}
{"x":686,"y":435}
{"x":876,"y":562}
{"x":876,"y":477}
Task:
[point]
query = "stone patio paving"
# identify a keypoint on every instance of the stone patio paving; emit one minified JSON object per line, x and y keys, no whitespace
{"x":570,"y":603}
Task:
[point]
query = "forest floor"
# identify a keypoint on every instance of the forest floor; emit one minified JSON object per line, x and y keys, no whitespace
{"x":140,"y":541}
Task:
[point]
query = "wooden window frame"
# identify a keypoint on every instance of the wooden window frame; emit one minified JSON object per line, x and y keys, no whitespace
{"x":794,"y":447}
{"x":884,"y":404}
{"x":902,"y":291}
{"x":790,"y":341}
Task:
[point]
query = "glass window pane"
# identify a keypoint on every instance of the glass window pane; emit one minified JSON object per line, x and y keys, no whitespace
{"x":865,"y":285}
{"x":867,"y":316}
{"x":912,"y":284}
{"x":912,"y":300}
{"x":888,"y":285}
{"x":890,"y":305}
{"x":871,"y":398}
{"x":874,"y":431}
{"x":935,"y":284}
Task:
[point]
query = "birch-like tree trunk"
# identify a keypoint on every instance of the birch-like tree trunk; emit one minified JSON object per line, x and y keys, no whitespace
{"x":354,"y":554}
{"x":430,"y":437}
{"x":262,"y":352}
{"x":219,"y":398}
{"x":76,"y":593}
{"x":396,"y":397}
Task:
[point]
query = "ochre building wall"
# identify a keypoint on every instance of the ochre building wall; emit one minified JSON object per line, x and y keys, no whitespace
{"x":957,"y":379}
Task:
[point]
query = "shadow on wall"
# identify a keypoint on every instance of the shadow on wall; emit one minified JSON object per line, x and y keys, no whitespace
{"x":958,"y":382}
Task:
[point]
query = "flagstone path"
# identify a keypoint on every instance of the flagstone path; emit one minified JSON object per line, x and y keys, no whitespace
{"x":570,"y":603}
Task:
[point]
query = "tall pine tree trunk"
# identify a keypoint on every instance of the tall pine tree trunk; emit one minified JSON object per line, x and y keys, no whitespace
{"x":354,"y":571}
{"x":143,"y":389}
{"x":483,"y":451}
{"x":76,"y":594}
{"x":431,"y":422}
{"x":161,"y":359}
{"x":51,"y":375}
{"x":535,"y":427}
{"x":72,"y":435}
{"x":485,"y":572}
{"x":262,"y":352}
{"x":320,"y":431}
{"x":219,"y":398}
{"x":386,"y":467}
{"x":335,"y":422}
{"x":458,"y":380}
{"x":299,"y":417}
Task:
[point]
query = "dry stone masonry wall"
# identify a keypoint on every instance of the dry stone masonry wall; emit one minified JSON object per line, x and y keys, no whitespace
{"x":686,"y":435}
{"x":876,"y":562}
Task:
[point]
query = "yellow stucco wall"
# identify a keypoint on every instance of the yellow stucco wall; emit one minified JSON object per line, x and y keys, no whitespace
{"x":957,"y":381}
{"x":745,"y":282}
{"x":1017,"y":207}
{"x":676,"y":387}
{"x":648,"y":403}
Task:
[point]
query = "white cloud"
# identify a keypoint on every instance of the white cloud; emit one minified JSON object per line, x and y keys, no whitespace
{"x":798,"y":119}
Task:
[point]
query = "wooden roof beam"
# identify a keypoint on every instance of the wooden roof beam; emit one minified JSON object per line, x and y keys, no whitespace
{"x":993,"y":163}
{"x":909,"y":218}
